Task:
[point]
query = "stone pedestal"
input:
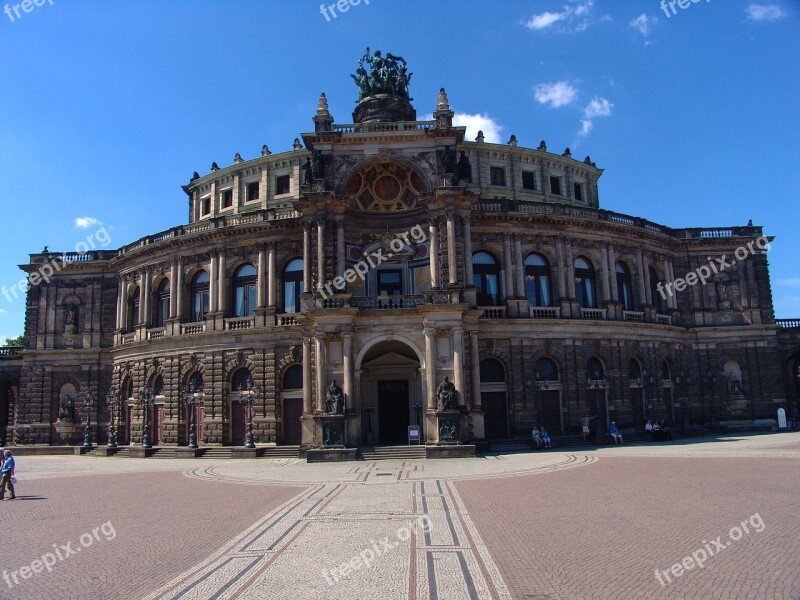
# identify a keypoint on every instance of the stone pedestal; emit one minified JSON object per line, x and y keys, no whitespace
{"x":65,"y":430}
{"x":331,"y":454}
{"x":331,"y":430}
{"x":448,"y":426}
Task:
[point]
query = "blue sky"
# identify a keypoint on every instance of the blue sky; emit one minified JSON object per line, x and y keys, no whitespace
{"x":108,"y":107}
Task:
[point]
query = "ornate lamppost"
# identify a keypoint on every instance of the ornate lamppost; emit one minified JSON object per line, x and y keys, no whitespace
{"x":247,"y":393}
{"x":598,"y":384}
{"x":682,"y":380}
{"x":146,"y":399}
{"x":542,"y":383}
{"x":88,"y":401}
{"x":112,"y":400}
{"x":646,"y":382}
{"x":192,"y":397}
{"x":369,"y":408}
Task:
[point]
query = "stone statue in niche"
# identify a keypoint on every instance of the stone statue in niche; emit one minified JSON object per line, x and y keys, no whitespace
{"x":464,"y":168}
{"x":334,"y":401}
{"x":66,"y":408}
{"x":446,"y":395}
{"x":70,"y":318}
{"x":308,"y":172}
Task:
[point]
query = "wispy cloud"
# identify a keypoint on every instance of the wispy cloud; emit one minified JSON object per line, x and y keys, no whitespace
{"x":475,"y":123}
{"x":572,"y":17}
{"x":86,"y":222}
{"x":555,"y":95}
{"x":643,"y":24}
{"x":598,"y":107}
{"x":765,"y":12}
{"x":3,"y":311}
{"x":793,"y":282}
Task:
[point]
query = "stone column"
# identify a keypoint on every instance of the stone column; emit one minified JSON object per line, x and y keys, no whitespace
{"x":340,"y":249}
{"x":178,"y":291}
{"x":347,"y":360}
{"x":322,"y":364}
{"x":261,"y":284}
{"x":320,"y":252}
{"x":452,"y":263}
{"x":122,"y":307}
{"x":212,"y":284}
{"x":307,"y":386}
{"x":173,"y":276}
{"x":507,"y":266}
{"x":468,"y":274}
{"x":570,"y":266}
{"x":458,"y":364}
{"x":430,"y":366}
{"x":612,"y":266}
{"x":640,"y":265}
{"x":476,"y":370}
{"x":307,"y":257}
{"x":145,"y":298}
{"x":520,"y":269}
{"x":434,"y":249}
{"x":674,"y":297}
{"x":272,"y":296}
{"x":646,"y":274}
{"x":605,"y":279}
{"x":560,"y":270}
{"x":222,"y":281}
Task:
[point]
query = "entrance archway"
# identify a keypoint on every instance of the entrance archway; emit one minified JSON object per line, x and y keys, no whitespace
{"x":390,"y":382}
{"x":6,"y":417}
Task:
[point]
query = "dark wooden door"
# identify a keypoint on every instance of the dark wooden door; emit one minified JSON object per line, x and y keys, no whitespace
{"x":238,"y":423}
{"x":158,"y":419}
{"x":551,"y":412}
{"x":292,"y":425}
{"x":393,"y":413}
{"x":496,"y":416}
{"x":668,"y":406}
{"x":637,"y":408}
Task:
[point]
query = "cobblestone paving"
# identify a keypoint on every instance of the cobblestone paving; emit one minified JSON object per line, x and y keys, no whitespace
{"x":593,"y":523}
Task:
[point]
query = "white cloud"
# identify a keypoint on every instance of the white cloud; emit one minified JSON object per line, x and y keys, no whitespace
{"x":791,"y":283}
{"x":475,"y":123}
{"x":3,"y":311}
{"x":556,"y":94}
{"x":86,"y":222}
{"x":765,"y":12}
{"x":642,"y":24}
{"x":598,"y":107}
{"x":574,"y":17}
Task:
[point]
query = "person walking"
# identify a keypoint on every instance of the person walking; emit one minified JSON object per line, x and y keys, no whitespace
{"x":6,"y":473}
{"x":585,"y":421}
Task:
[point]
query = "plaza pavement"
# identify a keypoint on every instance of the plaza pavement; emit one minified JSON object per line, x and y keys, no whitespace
{"x":575,"y":524}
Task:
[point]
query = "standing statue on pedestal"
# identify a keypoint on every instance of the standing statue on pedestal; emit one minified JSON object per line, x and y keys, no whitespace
{"x":387,"y":75}
{"x":464,"y":168}
{"x":446,"y":395}
{"x":308,"y":172}
{"x":319,"y":165}
{"x":334,"y":401}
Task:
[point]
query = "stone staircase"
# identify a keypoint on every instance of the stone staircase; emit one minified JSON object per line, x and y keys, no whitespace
{"x":279,"y":452}
{"x":392,"y":453}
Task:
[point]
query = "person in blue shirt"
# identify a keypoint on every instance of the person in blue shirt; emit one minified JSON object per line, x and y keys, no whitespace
{"x":545,"y":437}
{"x":7,"y":471}
{"x":615,"y":433}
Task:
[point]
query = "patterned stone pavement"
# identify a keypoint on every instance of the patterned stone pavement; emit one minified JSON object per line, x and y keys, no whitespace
{"x":586,"y":524}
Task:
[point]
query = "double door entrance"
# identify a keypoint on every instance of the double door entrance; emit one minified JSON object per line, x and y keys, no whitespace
{"x":393,"y":413}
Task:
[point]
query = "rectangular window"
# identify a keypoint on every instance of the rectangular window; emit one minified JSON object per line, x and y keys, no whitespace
{"x":282,"y":185}
{"x":227,"y":198}
{"x":206,"y":206}
{"x":578,"y":191}
{"x":555,"y":186}
{"x":528,"y":180}
{"x":497,"y":175}
{"x":252,"y":191}
{"x":390,"y":283}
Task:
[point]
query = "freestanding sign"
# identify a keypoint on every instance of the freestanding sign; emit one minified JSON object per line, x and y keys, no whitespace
{"x":781,"y":418}
{"x":413,"y":434}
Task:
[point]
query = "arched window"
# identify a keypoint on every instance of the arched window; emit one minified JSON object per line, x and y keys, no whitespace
{"x":158,"y":386}
{"x":666,"y":375}
{"x":127,"y":389}
{"x":546,"y":370}
{"x":537,"y":280}
{"x":485,"y":278}
{"x":241,"y":380}
{"x":659,"y":301}
{"x":196,"y":382}
{"x":293,"y":378}
{"x":292,"y":286}
{"x":244,"y":291}
{"x":161,"y":304}
{"x":133,"y":309}
{"x":624,"y":288}
{"x":199,"y":293}
{"x":595,"y":370}
{"x":584,"y":283}
{"x":634,"y":370}
{"x":492,"y":371}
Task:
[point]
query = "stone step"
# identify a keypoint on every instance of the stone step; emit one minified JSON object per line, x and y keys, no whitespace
{"x":392,"y":453}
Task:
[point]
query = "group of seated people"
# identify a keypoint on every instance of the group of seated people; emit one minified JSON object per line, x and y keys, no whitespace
{"x":658,"y":431}
{"x":540,"y":437}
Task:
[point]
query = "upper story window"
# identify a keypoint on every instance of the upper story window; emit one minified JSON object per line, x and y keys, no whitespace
{"x":485,"y":278}
{"x":537,"y":280}
{"x":555,"y":186}
{"x":578,"y":189}
{"x":624,"y":287}
{"x":205,"y":206}
{"x":200,"y":296}
{"x":244,"y":291}
{"x":497,"y":176}
{"x":390,"y":282}
{"x":241,"y":380}
{"x":584,"y":283}
{"x":161,"y":303}
{"x":293,"y":378}
{"x":292,"y":286}
{"x":528,"y":180}
{"x":282,"y":185}
{"x":252,"y":191}
{"x":227,"y":198}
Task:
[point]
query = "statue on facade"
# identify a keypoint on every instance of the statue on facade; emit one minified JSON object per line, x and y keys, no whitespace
{"x":446,"y":395}
{"x":362,"y":81}
{"x":334,"y":401}
{"x":464,"y":168}
{"x":448,"y":160}
{"x":308,"y":172}
{"x":319,"y":165}
{"x":66,"y":408}
{"x":387,"y":75}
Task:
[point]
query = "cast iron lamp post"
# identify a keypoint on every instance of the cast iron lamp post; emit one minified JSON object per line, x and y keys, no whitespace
{"x":598,"y":384}
{"x":542,"y":383}
{"x":192,"y":397}
{"x":146,"y":399}
{"x":112,"y":400}
{"x":247,"y":393}
{"x":682,"y":380}
{"x":88,"y":401}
